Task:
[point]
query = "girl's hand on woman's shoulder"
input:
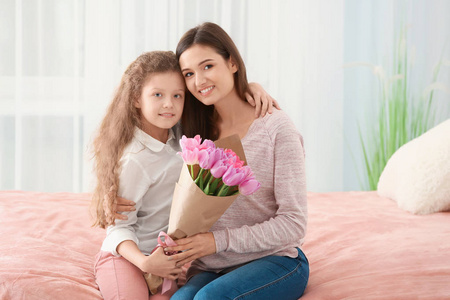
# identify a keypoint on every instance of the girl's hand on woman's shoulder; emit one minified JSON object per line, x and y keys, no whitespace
{"x":260,"y":99}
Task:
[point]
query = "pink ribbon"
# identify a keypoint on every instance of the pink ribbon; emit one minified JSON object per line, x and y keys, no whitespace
{"x":166,"y":241}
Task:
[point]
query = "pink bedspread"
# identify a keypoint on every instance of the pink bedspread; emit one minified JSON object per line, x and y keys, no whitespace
{"x":360,"y":246}
{"x":47,"y":246}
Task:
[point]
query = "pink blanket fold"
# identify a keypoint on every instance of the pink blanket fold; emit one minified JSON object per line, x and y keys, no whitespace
{"x":47,"y":246}
{"x":362,"y":246}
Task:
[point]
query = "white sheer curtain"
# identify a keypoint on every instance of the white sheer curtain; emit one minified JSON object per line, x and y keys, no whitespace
{"x":62,"y":59}
{"x":41,"y":79}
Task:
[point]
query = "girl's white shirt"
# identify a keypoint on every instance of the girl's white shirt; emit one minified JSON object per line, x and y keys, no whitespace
{"x":149,"y":171}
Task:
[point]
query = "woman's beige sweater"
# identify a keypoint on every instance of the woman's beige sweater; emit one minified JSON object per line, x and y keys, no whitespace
{"x":273,"y":220}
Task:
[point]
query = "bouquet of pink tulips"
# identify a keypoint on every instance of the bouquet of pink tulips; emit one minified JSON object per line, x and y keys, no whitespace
{"x":221,"y":171}
{"x":213,"y":175}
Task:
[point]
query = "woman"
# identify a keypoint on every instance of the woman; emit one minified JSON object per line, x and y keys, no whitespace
{"x":253,"y":250}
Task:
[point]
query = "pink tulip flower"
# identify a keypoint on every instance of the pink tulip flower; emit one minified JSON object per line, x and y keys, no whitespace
{"x":207,"y":144}
{"x":247,"y":171}
{"x":233,"y":159}
{"x":208,"y":157}
{"x":190,"y":157}
{"x":218,"y":169}
{"x":190,"y":143}
{"x":233,"y":176}
{"x":249,"y":186}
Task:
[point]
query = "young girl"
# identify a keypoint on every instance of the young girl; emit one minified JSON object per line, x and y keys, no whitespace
{"x":135,"y":153}
{"x":253,"y":250}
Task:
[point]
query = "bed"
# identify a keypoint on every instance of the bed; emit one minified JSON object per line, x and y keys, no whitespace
{"x":360,"y":246}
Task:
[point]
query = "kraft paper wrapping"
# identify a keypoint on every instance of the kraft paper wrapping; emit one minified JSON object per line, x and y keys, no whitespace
{"x":192,"y":211}
{"x":153,"y":282}
{"x":232,"y":142}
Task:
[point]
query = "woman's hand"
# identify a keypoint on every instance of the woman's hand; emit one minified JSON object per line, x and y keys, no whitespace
{"x":159,"y":264}
{"x":193,"y":247}
{"x":122,"y":205}
{"x":259,"y":98}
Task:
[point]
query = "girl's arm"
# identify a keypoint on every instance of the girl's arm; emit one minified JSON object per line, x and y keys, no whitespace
{"x":157,"y":263}
{"x":122,"y":239}
{"x":133,"y":184}
{"x":260,"y":99}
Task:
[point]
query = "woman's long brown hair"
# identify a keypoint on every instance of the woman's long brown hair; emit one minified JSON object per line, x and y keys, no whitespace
{"x":117,"y":129}
{"x":197,"y":117}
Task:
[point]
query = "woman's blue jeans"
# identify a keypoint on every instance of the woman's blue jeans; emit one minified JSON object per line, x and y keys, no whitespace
{"x":271,"y":277}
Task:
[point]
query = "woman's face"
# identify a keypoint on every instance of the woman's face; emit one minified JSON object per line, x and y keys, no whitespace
{"x":209,"y":77}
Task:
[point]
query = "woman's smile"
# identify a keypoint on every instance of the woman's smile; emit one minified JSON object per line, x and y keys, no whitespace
{"x":207,"y":91}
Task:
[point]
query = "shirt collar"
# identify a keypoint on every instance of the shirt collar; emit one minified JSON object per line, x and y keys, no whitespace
{"x":150,"y":142}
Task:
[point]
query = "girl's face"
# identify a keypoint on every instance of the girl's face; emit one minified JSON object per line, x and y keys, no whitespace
{"x":161,"y":103}
{"x":209,"y":77}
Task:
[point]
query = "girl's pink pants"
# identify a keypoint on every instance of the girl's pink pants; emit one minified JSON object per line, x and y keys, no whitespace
{"x":117,"y":278}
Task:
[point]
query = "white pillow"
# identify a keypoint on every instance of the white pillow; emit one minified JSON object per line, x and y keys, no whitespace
{"x":417,"y":176}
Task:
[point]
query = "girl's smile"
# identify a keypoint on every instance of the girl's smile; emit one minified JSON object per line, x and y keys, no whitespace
{"x":167,"y":115}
